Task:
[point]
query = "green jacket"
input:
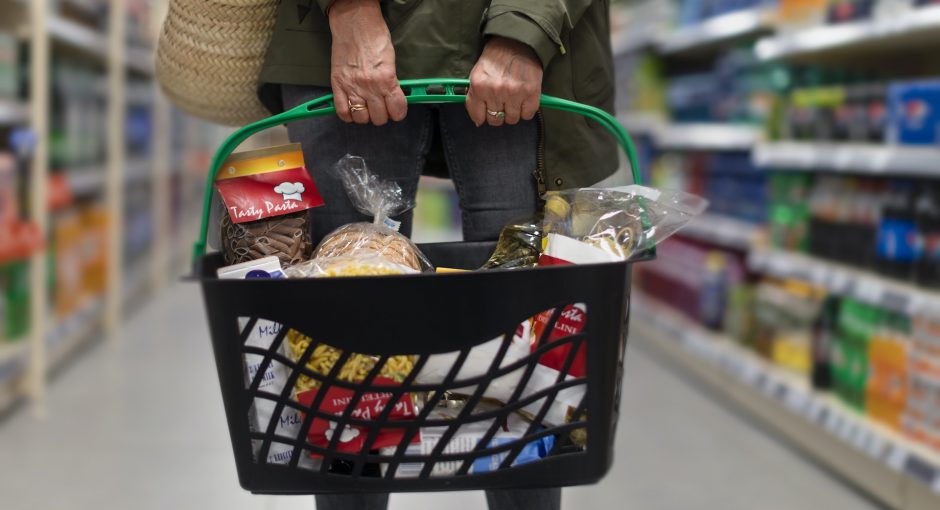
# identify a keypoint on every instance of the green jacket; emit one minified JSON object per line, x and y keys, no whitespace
{"x":444,"y":38}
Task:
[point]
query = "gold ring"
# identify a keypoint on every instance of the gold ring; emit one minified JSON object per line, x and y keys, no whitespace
{"x":357,"y":107}
{"x":499,"y":115}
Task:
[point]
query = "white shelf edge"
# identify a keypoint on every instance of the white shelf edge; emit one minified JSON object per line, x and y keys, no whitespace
{"x":865,"y":286}
{"x":824,"y":38}
{"x":708,"y":136}
{"x":13,"y":112}
{"x":13,"y":349}
{"x":723,"y":231}
{"x":878,"y":159}
{"x":74,"y":331}
{"x":715,"y":30}
{"x":86,"y":180}
{"x":80,"y":37}
{"x":874,"y":457}
{"x":642,"y":123}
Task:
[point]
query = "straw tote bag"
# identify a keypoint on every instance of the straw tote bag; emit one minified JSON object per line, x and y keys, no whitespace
{"x":210,"y":54}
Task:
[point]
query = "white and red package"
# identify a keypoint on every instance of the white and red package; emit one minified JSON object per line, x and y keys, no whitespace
{"x":369,"y":407}
{"x":570,"y":322}
{"x":265,"y":183}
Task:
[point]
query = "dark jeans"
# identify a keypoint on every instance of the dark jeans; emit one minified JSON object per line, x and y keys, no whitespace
{"x":491,"y":169}
{"x":537,"y":499}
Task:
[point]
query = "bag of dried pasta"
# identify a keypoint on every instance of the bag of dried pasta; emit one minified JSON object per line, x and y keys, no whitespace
{"x":267,"y":194}
{"x":320,"y":363}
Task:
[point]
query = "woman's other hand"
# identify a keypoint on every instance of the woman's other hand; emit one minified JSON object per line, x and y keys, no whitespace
{"x":505,"y":84}
{"x":365,"y":85}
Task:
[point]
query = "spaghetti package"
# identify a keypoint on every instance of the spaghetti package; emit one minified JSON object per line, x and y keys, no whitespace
{"x":337,"y":400}
{"x":380,"y":239}
{"x":266,"y":194}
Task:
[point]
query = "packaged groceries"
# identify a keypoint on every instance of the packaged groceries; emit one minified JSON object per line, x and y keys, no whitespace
{"x":266,"y":194}
{"x":466,"y":439}
{"x":268,"y":267}
{"x":369,"y":265}
{"x":272,"y":377}
{"x":379,"y":239}
{"x":336,"y":400}
{"x":519,"y":245}
{"x":593,"y":225}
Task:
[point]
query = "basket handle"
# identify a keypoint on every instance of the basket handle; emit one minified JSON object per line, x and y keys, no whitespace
{"x":425,"y":91}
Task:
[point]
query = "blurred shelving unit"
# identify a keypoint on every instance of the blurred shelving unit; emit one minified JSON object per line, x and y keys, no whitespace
{"x":170,"y":166}
{"x":911,"y":29}
{"x":724,"y":231}
{"x":856,"y":158}
{"x":842,"y":280}
{"x":703,"y":136}
{"x":893,"y":469}
{"x":716,"y":31}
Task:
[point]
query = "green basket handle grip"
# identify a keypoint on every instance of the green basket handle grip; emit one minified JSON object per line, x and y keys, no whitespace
{"x":426,"y":91}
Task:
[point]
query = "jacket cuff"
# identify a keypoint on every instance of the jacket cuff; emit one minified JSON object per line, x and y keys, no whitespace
{"x":325,"y":4}
{"x":519,"y":27}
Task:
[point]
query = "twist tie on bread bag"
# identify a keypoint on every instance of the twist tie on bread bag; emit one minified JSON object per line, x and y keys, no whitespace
{"x":370,"y":195}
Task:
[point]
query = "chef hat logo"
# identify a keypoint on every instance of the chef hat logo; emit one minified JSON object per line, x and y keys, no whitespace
{"x":290,"y":190}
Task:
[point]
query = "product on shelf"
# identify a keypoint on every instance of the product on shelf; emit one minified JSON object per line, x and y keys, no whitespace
{"x":9,"y":67}
{"x":14,"y":300}
{"x":914,"y":112}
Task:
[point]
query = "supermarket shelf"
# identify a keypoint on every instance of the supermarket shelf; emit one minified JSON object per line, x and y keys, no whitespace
{"x":13,"y":112}
{"x":849,"y":157}
{"x":642,"y":123}
{"x":70,"y":33}
{"x":916,"y":28}
{"x":86,"y":180}
{"x":137,"y":170}
{"x":844,"y":280}
{"x":71,"y":333}
{"x":715,"y":31}
{"x":12,"y":350}
{"x":723,"y":231}
{"x":141,"y":60}
{"x":893,"y":469}
{"x":717,"y":136}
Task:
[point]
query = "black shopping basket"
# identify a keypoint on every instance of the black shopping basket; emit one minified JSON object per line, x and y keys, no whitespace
{"x":423,"y":316}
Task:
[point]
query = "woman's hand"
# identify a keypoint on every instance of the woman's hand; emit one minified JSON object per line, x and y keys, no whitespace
{"x":365,"y":86}
{"x":505,"y":84}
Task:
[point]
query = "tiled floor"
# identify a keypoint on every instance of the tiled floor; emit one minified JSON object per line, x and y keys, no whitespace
{"x":138,"y":425}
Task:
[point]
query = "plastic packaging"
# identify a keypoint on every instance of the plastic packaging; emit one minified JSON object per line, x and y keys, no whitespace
{"x":347,"y":266}
{"x":519,"y":245}
{"x":614,"y":224}
{"x":381,"y":200}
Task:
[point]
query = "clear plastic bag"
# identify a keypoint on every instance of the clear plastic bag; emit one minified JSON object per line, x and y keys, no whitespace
{"x":332,"y":267}
{"x":380,"y":199}
{"x":610,"y":224}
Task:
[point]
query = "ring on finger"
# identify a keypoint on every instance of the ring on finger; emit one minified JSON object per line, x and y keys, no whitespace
{"x":357,"y":107}
{"x":498,"y":115}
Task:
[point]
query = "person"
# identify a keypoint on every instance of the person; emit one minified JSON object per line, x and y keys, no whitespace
{"x":501,"y":150}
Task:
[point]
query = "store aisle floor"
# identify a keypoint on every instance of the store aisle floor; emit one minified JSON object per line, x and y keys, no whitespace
{"x":138,"y":424}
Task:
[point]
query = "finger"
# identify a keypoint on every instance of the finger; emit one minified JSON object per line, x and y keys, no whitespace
{"x":513,"y":113}
{"x":530,"y":107}
{"x":377,"y":112}
{"x":476,"y":108}
{"x":359,"y":115}
{"x":341,"y":102}
{"x":397,"y":105}
{"x":495,"y":115}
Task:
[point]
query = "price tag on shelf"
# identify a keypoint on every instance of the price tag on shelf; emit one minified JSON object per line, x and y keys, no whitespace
{"x":814,"y":411}
{"x":846,"y":430}
{"x":896,"y":301}
{"x":796,"y":401}
{"x":868,"y":291}
{"x":897,"y":457}
{"x":876,"y":446}
{"x":750,"y":373}
{"x":832,"y":422}
{"x":860,"y":438}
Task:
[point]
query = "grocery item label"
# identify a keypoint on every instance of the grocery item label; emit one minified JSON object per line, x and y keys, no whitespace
{"x":262,"y":184}
{"x":571,"y":322}
{"x":369,"y":407}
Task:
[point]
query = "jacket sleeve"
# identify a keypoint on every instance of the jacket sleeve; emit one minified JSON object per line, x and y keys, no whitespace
{"x":539,"y":24}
